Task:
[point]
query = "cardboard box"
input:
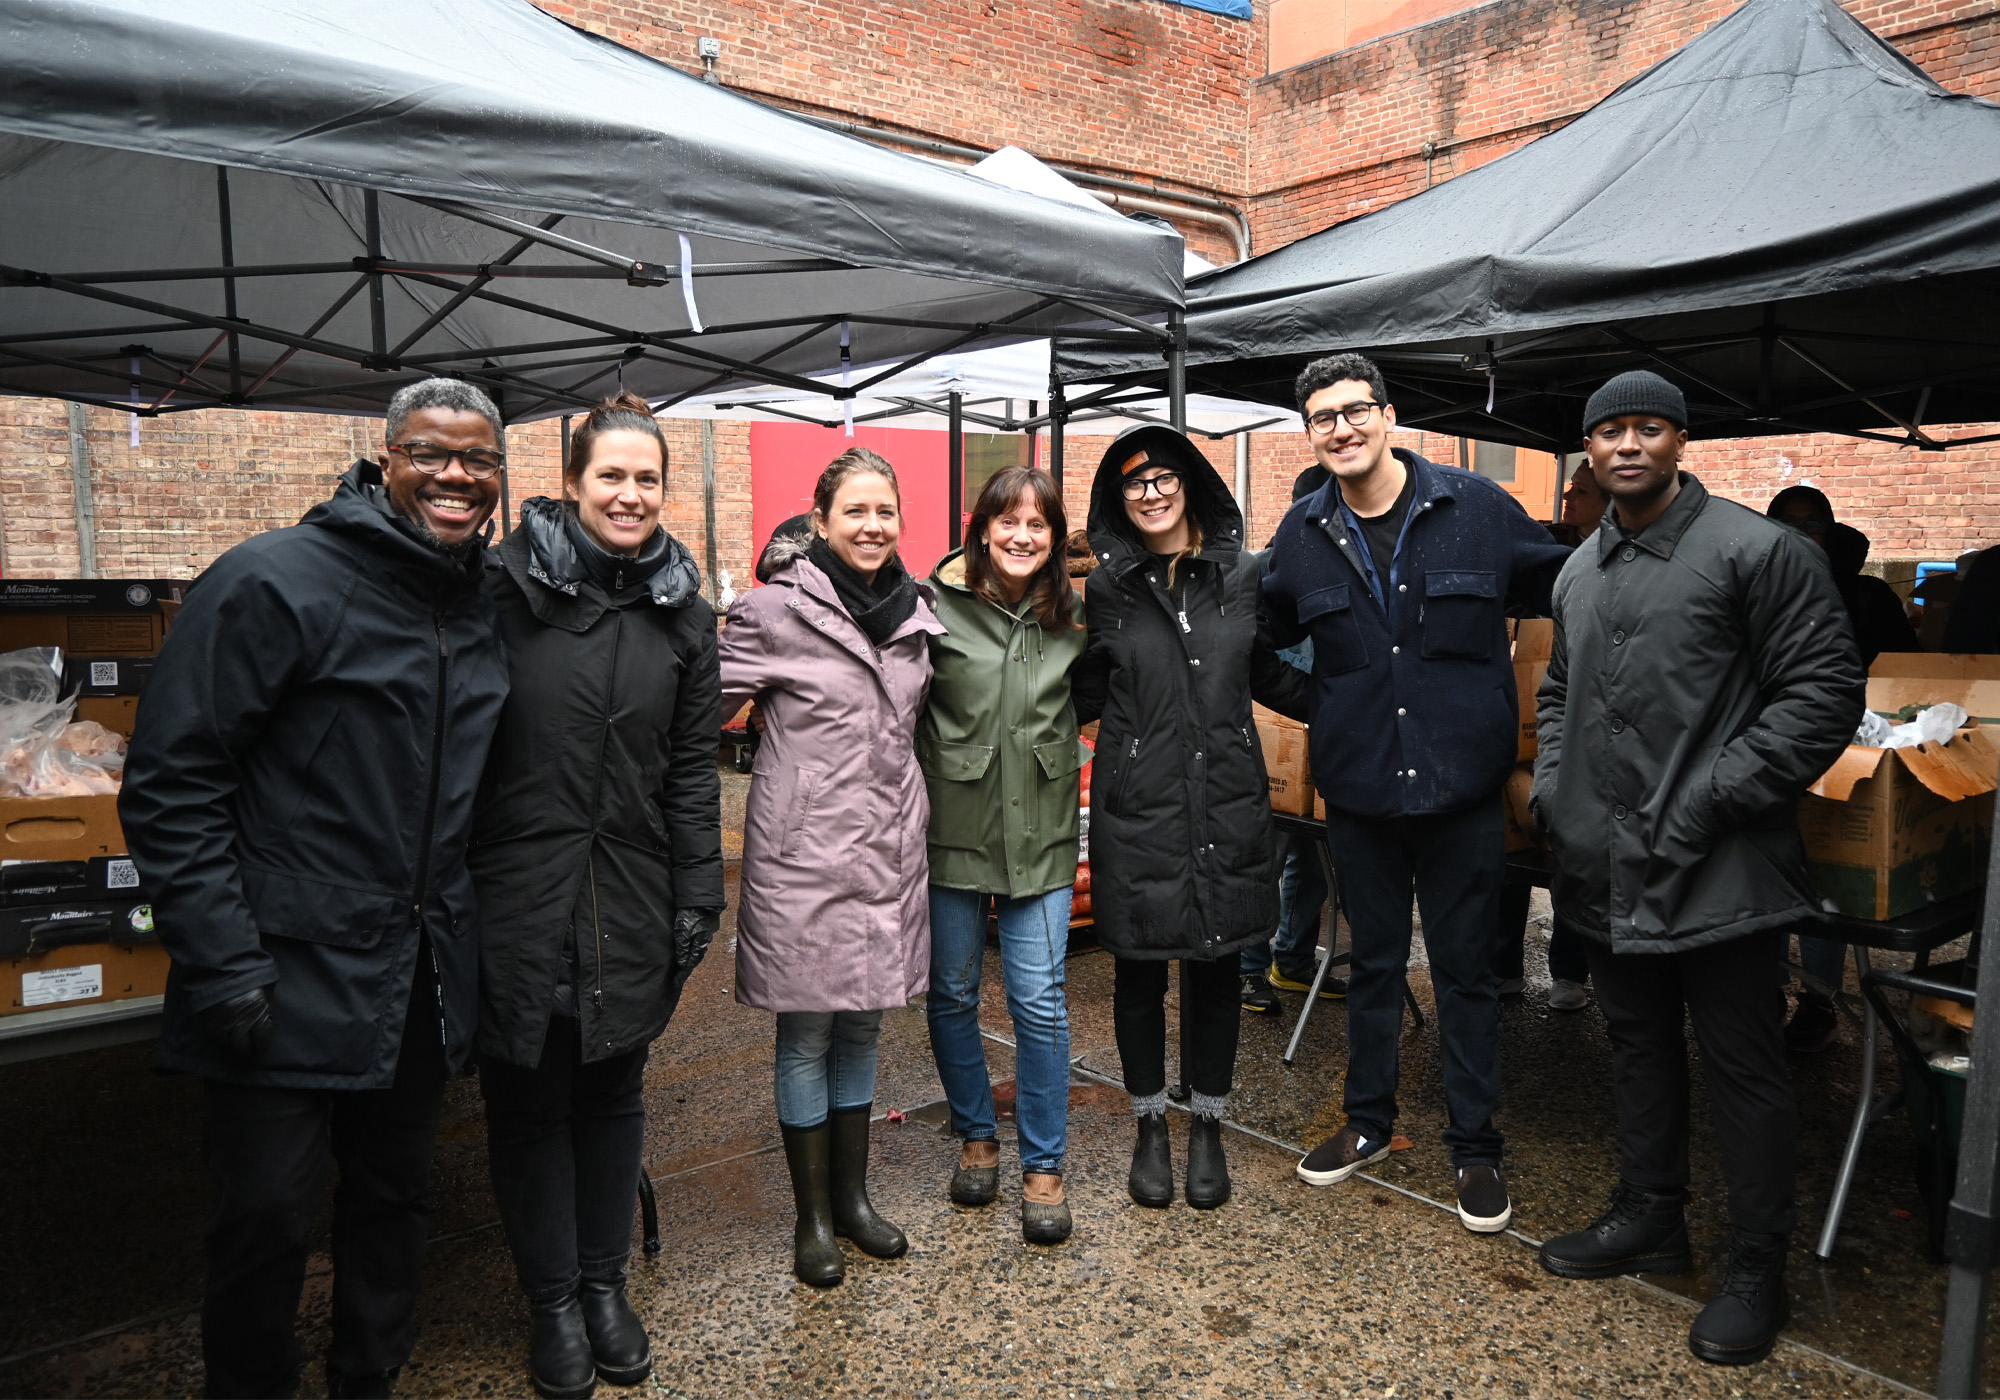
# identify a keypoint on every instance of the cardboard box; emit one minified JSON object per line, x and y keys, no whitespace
{"x":60,"y":828}
{"x":1900,"y":678}
{"x":1888,"y":831}
{"x":117,"y":713}
{"x":1522,"y":833}
{"x":82,"y":974}
{"x":33,"y":932}
{"x":105,"y":675}
{"x":1534,"y":640}
{"x":101,"y":617}
{"x":1287,"y":761}
{"x":28,"y":883}
{"x":1319,"y":806}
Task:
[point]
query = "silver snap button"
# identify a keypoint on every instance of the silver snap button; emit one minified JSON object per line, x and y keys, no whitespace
{"x":1395,"y":651}
{"x":1618,"y":639}
{"x":1618,"y":812}
{"x":1630,"y":554}
{"x":1401,"y":711}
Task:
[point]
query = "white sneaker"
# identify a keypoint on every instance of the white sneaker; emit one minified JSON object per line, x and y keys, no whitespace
{"x":1568,"y":996}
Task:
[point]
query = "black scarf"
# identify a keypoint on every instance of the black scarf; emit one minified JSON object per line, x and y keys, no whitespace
{"x":616,"y":574}
{"x":878,"y":608}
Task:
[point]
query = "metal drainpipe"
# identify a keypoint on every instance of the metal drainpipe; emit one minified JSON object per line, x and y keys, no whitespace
{"x":86,"y":505}
{"x":1238,"y":229}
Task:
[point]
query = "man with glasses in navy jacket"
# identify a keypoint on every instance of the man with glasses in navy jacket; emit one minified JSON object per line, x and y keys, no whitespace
{"x":1402,"y":573}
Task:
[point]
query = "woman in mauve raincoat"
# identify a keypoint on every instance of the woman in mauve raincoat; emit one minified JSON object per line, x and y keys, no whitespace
{"x":833,"y":927}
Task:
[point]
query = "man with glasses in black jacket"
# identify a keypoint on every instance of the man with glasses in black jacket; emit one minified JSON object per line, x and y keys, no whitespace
{"x":1401,"y":572}
{"x":298,"y":798}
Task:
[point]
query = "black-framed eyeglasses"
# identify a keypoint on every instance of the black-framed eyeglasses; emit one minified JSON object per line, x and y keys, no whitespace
{"x":427,"y":457}
{"x":1166,"y":483}
{"x":1355,"y":413}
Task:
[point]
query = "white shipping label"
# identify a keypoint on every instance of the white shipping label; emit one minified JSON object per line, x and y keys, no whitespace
{"x":62,"y":984}
{"x":104,"y":673}
{"x":121,"y":874}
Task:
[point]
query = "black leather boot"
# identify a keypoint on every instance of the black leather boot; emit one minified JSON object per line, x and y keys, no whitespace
{"x":1642,"y":1233}
{"x":617,"y":1337}
{"x":559,"y":1361}
{"x":854,"y":1216}
{"x":379,"y":1385}
{"x":1741,"y":1323}
{"x":1152,"y":1179}
{"x":816,"y":1256}
{"x":1207,"y":1171}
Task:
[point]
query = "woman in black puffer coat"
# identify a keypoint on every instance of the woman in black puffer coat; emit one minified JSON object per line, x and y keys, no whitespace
{"x":597,"y":859}
{"x":1182,"y":858}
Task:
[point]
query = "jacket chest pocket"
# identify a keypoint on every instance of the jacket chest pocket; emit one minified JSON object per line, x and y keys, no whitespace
{"x":1336,"y":633}
{"x":1461,"y":616}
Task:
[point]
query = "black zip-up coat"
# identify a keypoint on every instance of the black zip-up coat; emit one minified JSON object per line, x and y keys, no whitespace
{"x":602,"y":802}
{"x":1181,"y":854}
{"x":300,"y":790}
{"x":1704,"y":674}
{"x":1413,"y":707}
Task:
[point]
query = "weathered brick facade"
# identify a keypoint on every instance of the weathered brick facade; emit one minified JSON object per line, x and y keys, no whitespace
{"x":1139,"y":89}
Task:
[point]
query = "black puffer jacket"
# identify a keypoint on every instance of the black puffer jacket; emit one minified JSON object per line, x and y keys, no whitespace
{"x":321,"y":707}
{"x":1704,"y":675}
{"x":1181,"y":855}
{"x":602,"y":802}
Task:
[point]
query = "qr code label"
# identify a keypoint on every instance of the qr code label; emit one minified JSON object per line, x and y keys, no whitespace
{"x":104,"y":673}
{"x":121,"y":875}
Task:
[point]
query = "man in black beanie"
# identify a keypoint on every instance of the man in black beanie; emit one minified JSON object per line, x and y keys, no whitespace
{"x":1703,"y":676}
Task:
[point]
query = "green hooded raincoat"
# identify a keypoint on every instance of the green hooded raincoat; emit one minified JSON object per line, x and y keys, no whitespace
{"x":998,"y":744}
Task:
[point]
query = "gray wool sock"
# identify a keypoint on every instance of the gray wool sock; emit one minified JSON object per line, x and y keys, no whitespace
{"x":1143,"y":1104}
{"x":1209,"y":1105}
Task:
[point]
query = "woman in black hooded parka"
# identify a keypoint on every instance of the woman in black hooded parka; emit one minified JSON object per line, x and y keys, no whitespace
{"x":1181,"y":851}
{"x":597,"y":859}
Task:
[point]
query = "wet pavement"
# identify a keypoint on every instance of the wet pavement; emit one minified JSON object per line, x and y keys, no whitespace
{"x":1370,"y":1288}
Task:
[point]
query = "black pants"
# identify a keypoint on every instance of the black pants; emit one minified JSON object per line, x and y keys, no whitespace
{"x":1734,"y":994}
{"x":1210,"y":1009}
{"x":268,"y":1151}
{"x":1566,"y":959}
{"x":1452,"y":863}
{"x":565,"y":1140}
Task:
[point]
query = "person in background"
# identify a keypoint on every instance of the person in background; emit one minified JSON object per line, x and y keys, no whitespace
{"x":1183,"y":864}
{"x":1401,"y":571}
{"x":1000,"y":754}
{"x":1879,"y":624}
{"x":1699,"y":681}
{"x":833,"y":924}
{"x":597,"y":859}
{"x":298,"y":798}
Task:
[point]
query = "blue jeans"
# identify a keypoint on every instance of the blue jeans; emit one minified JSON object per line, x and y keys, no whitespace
{"x":1301,"y":900}
{"x":1034,"y":938}
{"x":826,"y":1060}
{"x":1824,"y":959}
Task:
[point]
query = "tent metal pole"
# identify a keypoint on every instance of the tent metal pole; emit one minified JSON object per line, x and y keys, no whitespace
{"x":955,"y":470}
{"x":1243,"y":474}
{"x":86,"y":505}
{"x":1177,"y":370}
{"x":1058,"y":415}
{"x":707,"y":501}
{"x":229,"y":283}
{"x":1971,"y":1240}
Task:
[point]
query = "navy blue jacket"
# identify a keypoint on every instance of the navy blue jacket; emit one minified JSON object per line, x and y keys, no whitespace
{"x":1413,"y":707}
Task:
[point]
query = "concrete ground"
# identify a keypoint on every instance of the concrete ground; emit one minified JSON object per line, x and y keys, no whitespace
{"x":1371,"y":1288}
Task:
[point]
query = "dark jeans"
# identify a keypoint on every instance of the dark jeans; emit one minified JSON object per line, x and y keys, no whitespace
{"x":268,"y":1151}
{"x":565,"y":1140}
{"x":1301,"y":906}
{"x":1566,"y":958}
{"x":1734,"y":994}
{"x":1210,"y":1009}
{"x":1452,"y":863}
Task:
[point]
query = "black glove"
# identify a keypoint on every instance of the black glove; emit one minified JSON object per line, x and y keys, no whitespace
{"x":240,"y":1026}
{"x":694,"y":930}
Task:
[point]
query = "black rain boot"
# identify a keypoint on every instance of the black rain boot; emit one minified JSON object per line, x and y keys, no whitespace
{"x":1152,"y":1179}
{"x":1642,"y":1233}
{"x":559,"y":1361}
{"x":854,"y":1217}
{"x":1207,"y":1171}
{"x":378,"y":1386}
{"x":617,"y":1337}
{"x":816,"y":1256}
{"x":1741,"y":1323}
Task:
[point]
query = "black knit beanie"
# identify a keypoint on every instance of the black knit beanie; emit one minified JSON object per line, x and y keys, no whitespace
{"x":1636,"y":391}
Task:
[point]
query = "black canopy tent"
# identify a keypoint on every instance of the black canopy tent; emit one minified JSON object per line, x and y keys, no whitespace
{"x":300,"y":206}
{"x":1787,"y":217}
